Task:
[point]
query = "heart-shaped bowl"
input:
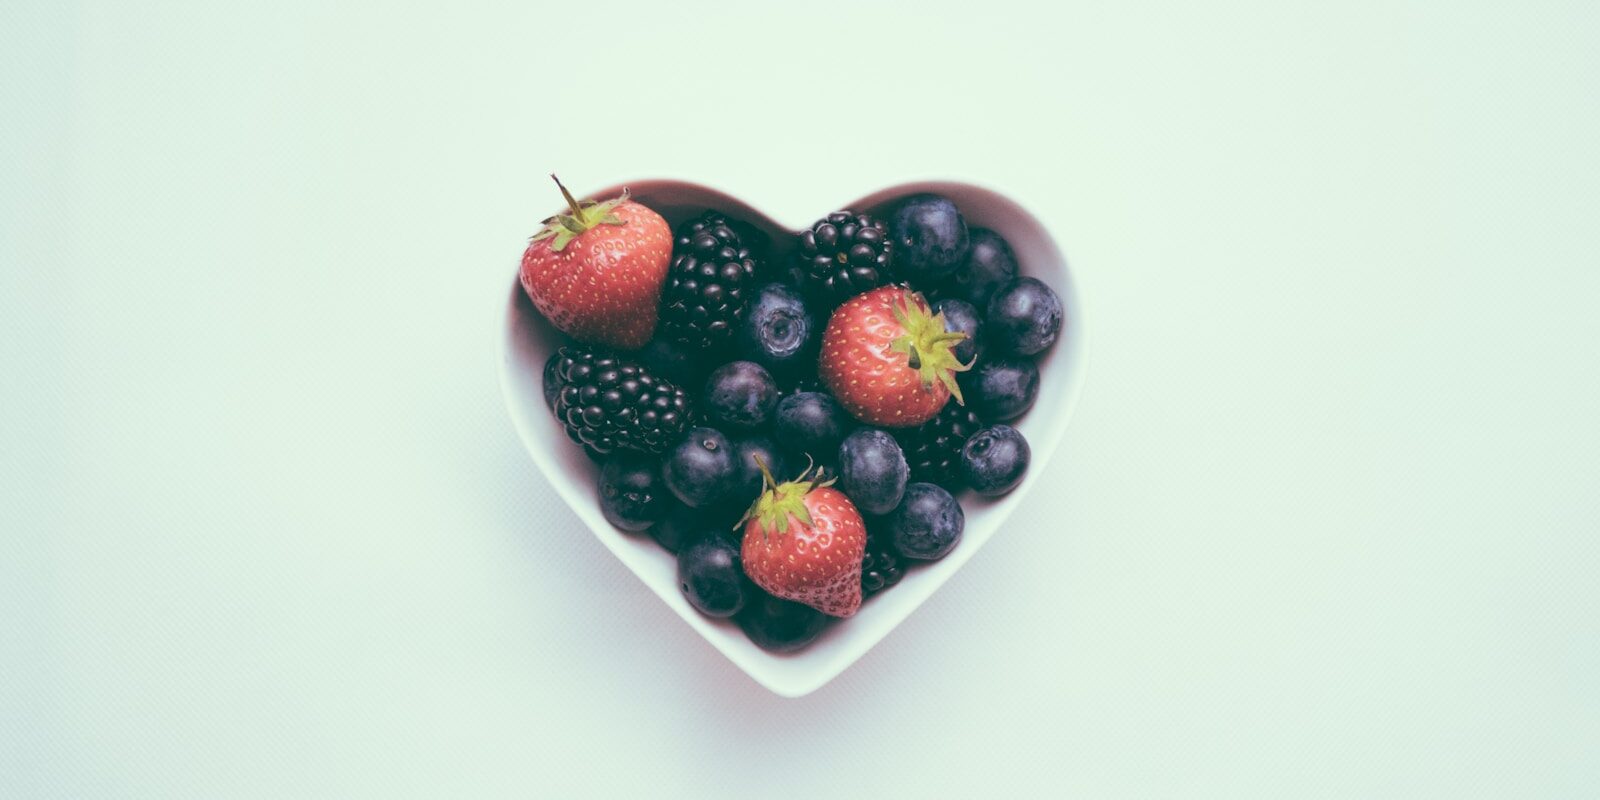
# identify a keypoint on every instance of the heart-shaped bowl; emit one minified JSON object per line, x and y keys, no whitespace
{"x":528,"y":341}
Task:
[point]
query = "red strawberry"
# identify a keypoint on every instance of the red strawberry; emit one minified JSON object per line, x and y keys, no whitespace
{"x":596,"y":271}
{"x":804,"y":541}
{"x":889,"y":359}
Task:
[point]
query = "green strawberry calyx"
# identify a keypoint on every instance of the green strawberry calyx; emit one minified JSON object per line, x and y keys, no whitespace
{"x":780,"y":501}
{"x":928,"y":347}
{"x":562,"y":228}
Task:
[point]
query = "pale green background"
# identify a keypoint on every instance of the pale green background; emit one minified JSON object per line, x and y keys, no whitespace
{"x":1325,"y":525}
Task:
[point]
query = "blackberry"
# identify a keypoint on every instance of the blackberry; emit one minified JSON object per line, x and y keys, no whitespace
{"x":880,"y":569}
{"x":723,"y":230}
{"x":711,"y":275}
{"x":552,"y":381}
{"x":933,"y":449}
{"x":845,"y":254}
{"x":744,"y":236}
{"x":609,"y":403}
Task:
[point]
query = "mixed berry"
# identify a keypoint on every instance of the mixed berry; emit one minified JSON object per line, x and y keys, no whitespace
{"x":796,"y":421}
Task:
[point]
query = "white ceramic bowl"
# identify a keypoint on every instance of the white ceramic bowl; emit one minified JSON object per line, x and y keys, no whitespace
{"x":529,"y":340}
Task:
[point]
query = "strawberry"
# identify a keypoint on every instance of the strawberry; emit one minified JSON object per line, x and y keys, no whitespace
{"x":596,"y":271}
{"x":804,"y":541}
{"x":888,"y":358}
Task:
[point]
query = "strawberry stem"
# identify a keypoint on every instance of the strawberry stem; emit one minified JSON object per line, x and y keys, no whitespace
{"x":767,"y":481}
{"x":779,"y":502}
{"x":572,"y":203}
{"x":561,"y":229}
{"x":928,"y":347}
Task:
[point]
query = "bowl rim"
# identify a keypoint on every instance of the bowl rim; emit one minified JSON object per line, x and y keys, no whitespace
{"x":758,"y":664}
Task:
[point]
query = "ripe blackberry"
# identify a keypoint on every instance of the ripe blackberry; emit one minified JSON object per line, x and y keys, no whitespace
{"x":723,"y":232}
{"x":711,"y":275}
{"x":845,"y":254}
{"x":933,"y":449}
{"x":744,"y":237}
{"x":608,"y":403}
{"x":552,"y":381}
{"x":879,"y":569}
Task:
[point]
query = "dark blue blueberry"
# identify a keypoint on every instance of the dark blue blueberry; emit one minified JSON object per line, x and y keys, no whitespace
{"x":989,"y":266}
{"x":810,"y":383}
{"x":552,"y":380}
{"x":927,"y":524}
{"x":683,"y":524}
{"x":994,"y":460}
{"x":872,"y":470}
{"x":740,"y":396}
{"x":1003,"y":389}
{"x":1024,"y":317}
{"x":930,"y":239}
{"x":680,"y":526}
{"x":811,"y":423}
{"x":727,"y":517}
{"x":778,"y":331}
{"x":632,"y":494}
{"x":779,"y":626}
{"x":700,"y":469}
{"x":961,"y":317}
{"x":675,"y":362}
{"x":710,"y":575}
{"x":746,"y":451}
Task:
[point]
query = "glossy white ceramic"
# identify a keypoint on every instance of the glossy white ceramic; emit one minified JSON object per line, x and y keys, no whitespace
{"x":527,"y":341}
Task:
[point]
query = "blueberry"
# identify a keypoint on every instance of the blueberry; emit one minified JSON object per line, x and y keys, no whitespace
{"x":700,"y":469}
{"x":632,"y":495}
{"x":674,"y":362}
{"x":872,"y":471}
{"x":811,"y":423}
{"x":552,"y":381}
{"x":989,"y":266}
{"x":927,"y":524}
{"x":994,"y":460}
{"x":1003,"y":389}
{"x":710,"y":575}
{"x":746,"y":451}
{"x":680,"y":526}
{"x":1024,"y":317}
{"x":726,"y":516}
{"x":683,"y":525}
{"x":779,"y":625}
{"x":930,"y":238}
{"x":778,"y":331}
{"x":740,"y":395}
{"x":960,"y":317}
